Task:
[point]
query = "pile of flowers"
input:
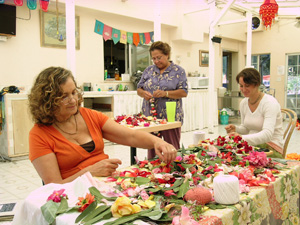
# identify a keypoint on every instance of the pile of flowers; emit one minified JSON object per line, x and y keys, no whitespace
{"x":138,"y":120}
{"x":229,"y":143}
{"x":293,"y":156}
{"x":155,"y":191}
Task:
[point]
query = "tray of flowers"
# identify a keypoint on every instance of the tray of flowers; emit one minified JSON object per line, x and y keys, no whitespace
{"x":179,"y":193}
{"x":138,"y":120}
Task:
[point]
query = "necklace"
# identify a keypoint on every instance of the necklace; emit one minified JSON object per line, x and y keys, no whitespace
{"x":253,"y":103}
{"x":68,"y":132}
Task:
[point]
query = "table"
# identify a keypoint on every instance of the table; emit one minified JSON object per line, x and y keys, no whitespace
{"x":153,"y":128}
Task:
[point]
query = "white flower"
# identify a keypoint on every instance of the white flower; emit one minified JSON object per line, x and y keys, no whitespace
{"x":244,"y":218}
{"x":294,"y":219}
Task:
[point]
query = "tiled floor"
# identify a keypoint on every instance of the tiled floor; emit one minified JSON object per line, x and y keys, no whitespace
{"x":18,"y":178}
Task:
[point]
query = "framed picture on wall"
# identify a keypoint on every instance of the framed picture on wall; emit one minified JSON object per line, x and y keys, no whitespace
{"x":203,"y":58}
{"x":53,"y":34}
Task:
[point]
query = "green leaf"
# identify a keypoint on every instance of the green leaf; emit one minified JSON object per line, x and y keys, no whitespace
{"x":126,"y":219}
{"x":95,"y":212}
{"x":177,"y":183}
{"x":49,"y":211}
{"x":215,"y":206}
{"x":94,"y":191}
{"x":183,"y":151}
{"x":87,"y":211}
{"x":183,"y":189}
{"x":104,"y":215}
{"x":187,"y":166}
{"x":282,"y":161}
{"x":63,"y":207}
{"x":142,"y":180}
{"x":154,"y":215}
{"x":153,"y":189}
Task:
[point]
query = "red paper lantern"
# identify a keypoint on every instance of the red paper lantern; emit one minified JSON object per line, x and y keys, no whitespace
{"x":268,"y":11}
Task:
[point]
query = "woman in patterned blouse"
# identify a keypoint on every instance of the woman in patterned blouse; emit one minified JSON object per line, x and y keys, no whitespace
{"x":164,"y":82}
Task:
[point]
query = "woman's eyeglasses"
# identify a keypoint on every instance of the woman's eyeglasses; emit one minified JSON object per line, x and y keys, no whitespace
{"x":67,"y":100}
{"x":157,"y":58}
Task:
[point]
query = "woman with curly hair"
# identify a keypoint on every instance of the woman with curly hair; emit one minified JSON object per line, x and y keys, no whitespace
{"x":67,"y":139}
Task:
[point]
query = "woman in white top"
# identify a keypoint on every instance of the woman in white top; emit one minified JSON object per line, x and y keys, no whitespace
{"x":261,"y":119}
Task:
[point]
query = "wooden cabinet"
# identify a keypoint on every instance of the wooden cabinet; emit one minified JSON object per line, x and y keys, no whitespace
{"x":17,"y":124}
{"x":100,"y":102}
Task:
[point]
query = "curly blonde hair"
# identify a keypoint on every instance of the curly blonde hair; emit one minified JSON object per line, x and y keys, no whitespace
{"x":46,"y":94}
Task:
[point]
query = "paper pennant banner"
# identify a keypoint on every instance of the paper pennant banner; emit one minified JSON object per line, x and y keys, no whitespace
{"x":2,"y":1}
{"x":107,"y":32}
{"x":151,"y":36}
{"x":123,"y":37}
{"x":147,"y":38}
{"x":31,"y":4}
{"x":142,"y":38}
{"x":115,"y":35}
{"x":136,"y":39}
{"x":118,"y":35}
{"x":19,"y":2}
{"x":99,"y":27}
{"x":129,"y":37}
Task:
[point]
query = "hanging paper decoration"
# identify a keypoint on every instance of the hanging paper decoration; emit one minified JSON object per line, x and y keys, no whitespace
{"x":268,"y":10}
{"x":123,"y":37}
{"x":99,"y":27}
{"x":44,"y":5}
{"x":147,"y":38}
{"x":2,"y":1}
{"x":142,"y":38}
{"x":136,"y":39}
{"x":115,"y":35}
{"x":107,"y":32}
{"x":129,"y":37}
{"x":18,"y":2}
{"x":31,"y":4}
{"x":151,"y":36}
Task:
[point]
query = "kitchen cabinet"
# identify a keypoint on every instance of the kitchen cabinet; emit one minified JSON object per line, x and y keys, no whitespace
{"x":14,"y":138}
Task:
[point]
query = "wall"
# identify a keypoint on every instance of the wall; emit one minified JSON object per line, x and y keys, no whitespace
{"x":282,"y":39}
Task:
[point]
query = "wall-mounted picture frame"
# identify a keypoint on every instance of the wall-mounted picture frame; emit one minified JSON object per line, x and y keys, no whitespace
{"x":49,"y":27}
{"x":203,"y":58}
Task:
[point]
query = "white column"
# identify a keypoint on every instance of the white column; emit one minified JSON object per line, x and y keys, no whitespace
{"x":249,"y":38}
{"x":70,"y":32}
{"x":157,"y":21}
{"x":211,"y":63}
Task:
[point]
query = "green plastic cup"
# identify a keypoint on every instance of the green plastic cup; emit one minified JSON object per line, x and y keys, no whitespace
{"x":171,"y":111}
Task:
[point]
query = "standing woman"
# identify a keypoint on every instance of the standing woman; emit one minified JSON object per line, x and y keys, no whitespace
{"x":261,"y":119}
{"x":163,"y":82}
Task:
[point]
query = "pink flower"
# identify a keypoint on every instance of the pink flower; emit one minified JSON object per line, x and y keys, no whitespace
{"x":156,"y":170}
{"x":185,"y":218}
{"x":169,"y":193}
{"x":257,"y":159}
{"x":56,"y":196}
{"x":144,"y":195}
{"x":178,"y":158}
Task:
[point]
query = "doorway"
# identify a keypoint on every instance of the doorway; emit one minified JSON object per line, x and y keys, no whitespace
{"x":227,"y":70}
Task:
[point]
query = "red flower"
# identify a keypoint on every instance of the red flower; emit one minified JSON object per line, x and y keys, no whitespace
{"x":169,"y":193}
{"x":85,"y":202}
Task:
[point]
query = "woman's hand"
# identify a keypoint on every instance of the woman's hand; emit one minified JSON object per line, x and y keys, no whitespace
{"x":165,"y":151}
{"x":159,"y":94}
{"x":104,"y":167}
{"x":230,"y":128}
{"x":147,"y":95}
{"x":233,"y":134}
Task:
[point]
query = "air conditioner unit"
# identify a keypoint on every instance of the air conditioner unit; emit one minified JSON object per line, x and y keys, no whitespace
{"x":257,"y":24}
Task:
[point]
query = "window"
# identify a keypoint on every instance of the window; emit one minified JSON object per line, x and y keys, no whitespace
{"x":117,"y":56}
{"x":262,"y":64}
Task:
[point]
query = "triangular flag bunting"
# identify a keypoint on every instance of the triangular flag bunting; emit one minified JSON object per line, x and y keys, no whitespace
{"x":147,"y":38}
{"x":107,"y":32}
{"x":43,"y":4}
{"x":18,"y":2}
{"x":129,"y":37}
{"x":31,"y":4}
{"x":151,"y":36}
{"x":115,"y":35}
{"x":99,"y":27}
{"x":142,"y":38}
{"x":136,"y":39}
{"x":123,"y":37}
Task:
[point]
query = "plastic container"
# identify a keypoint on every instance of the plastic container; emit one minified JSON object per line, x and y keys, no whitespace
{"x":117,"y":74}
{"x":105,"y":74}
{"x":224,"y":117}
